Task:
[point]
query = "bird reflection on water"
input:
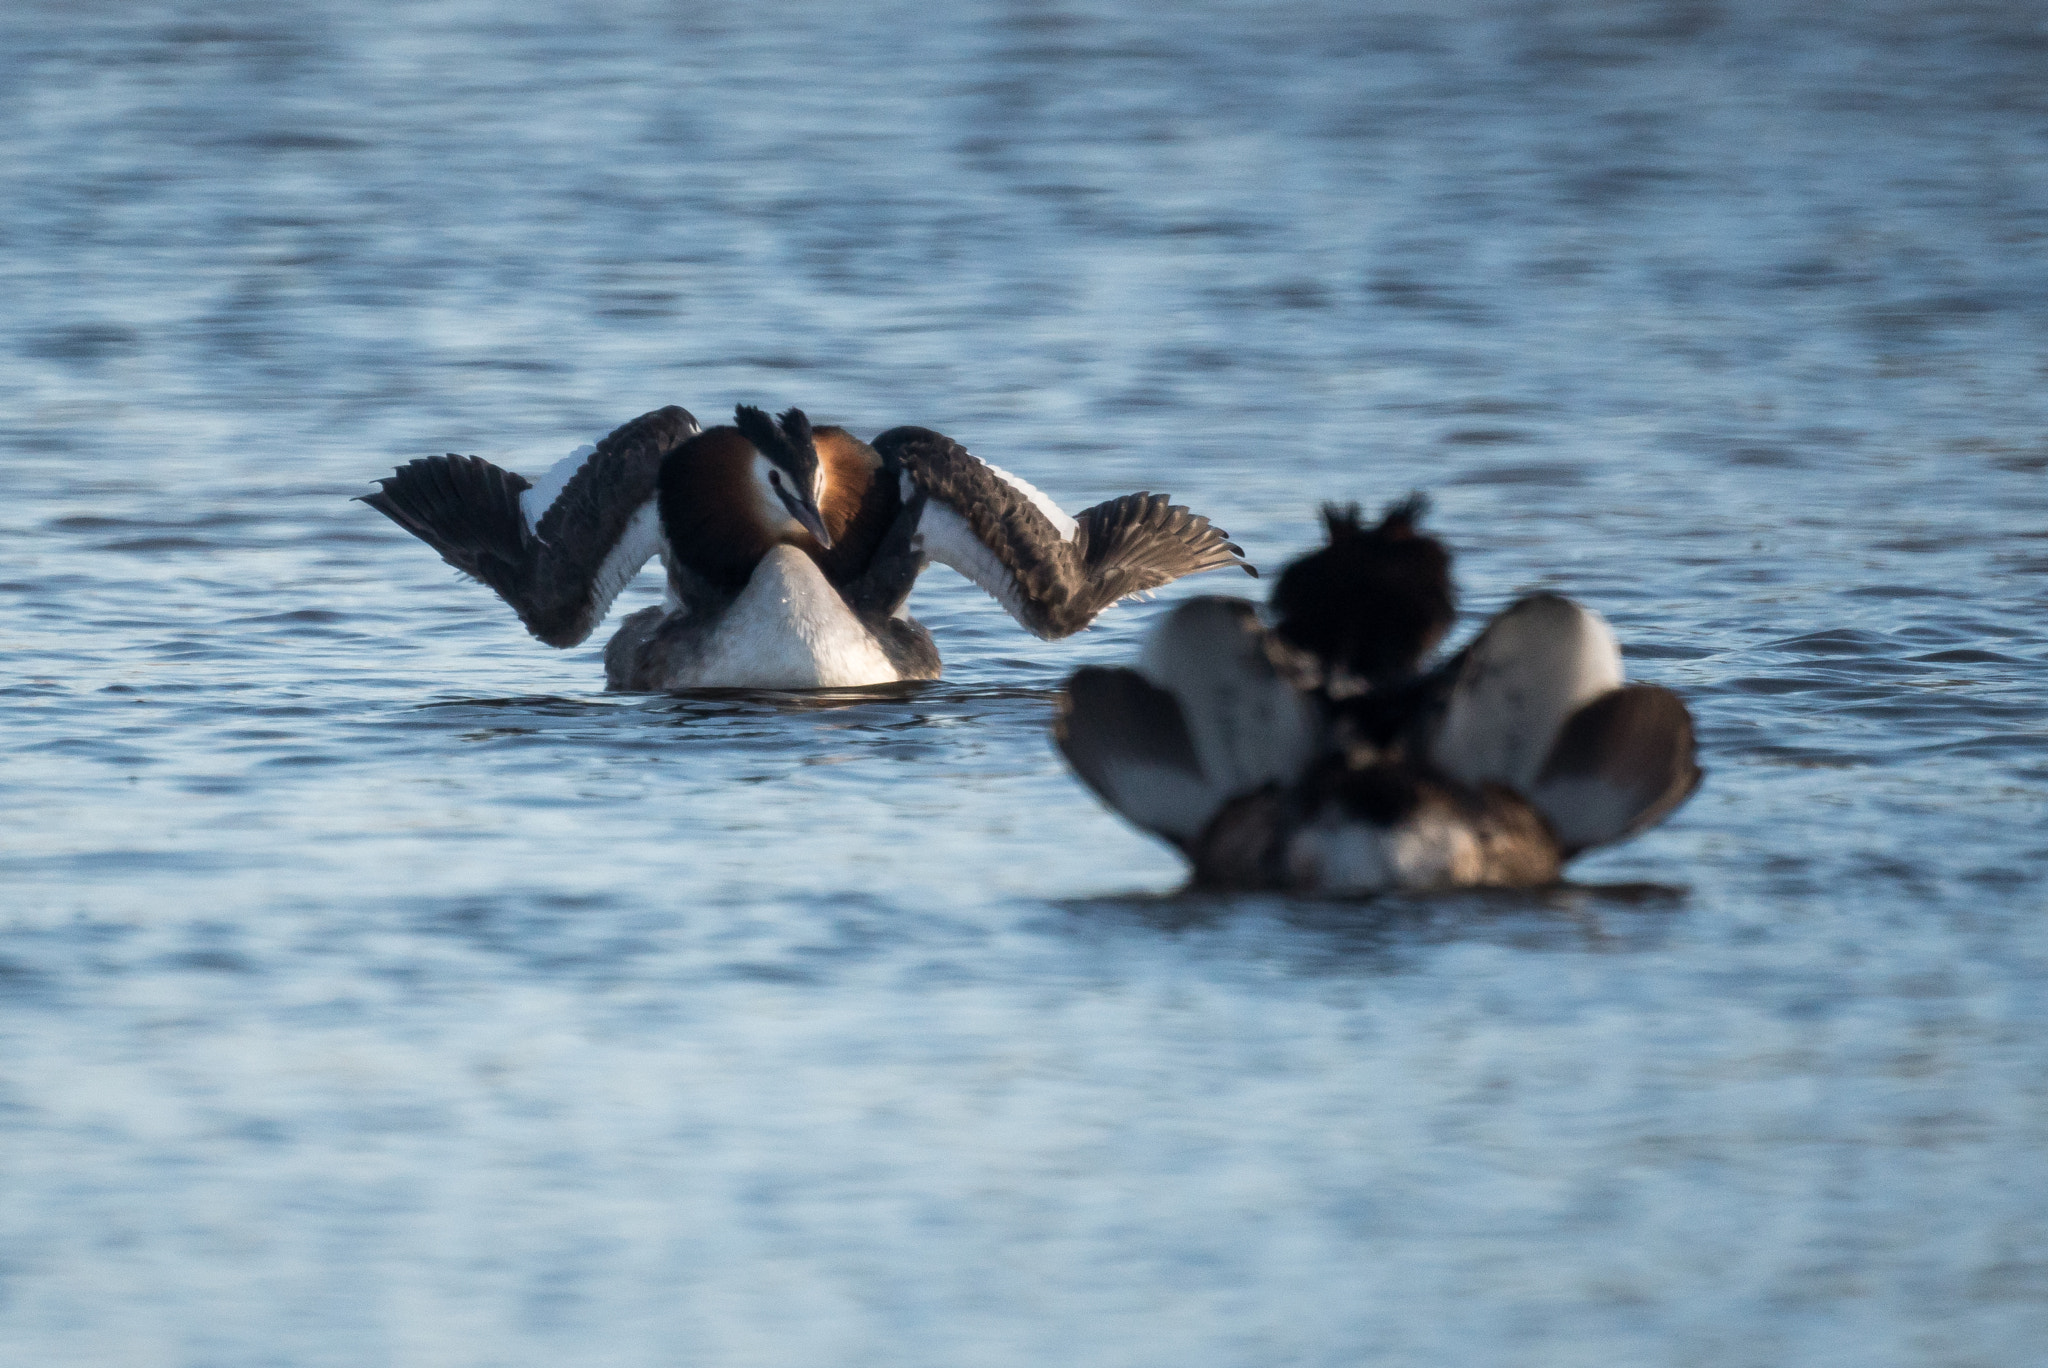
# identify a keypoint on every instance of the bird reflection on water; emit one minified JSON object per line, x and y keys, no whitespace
{"x":1383,"y":932}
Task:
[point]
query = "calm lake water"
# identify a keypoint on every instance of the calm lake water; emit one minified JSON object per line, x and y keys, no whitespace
{"x":375,"y":990}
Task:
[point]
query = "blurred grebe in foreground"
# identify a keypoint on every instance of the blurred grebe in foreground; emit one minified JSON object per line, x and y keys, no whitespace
{"x":790,"y":549}
{"x":1320,"y":756}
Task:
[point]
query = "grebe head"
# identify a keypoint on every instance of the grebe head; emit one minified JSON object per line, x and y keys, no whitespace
{"x":788,"y":477}
{"x":1373,"y":602}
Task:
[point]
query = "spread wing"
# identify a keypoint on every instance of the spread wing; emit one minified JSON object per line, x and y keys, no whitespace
{"x":559,"y":552}
{"x":1051,"y":572}
{"x":1207,"y":718}
{"x":1622,"y":764}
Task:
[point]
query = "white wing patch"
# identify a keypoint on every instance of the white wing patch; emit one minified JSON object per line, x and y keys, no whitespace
{"x":640,"y":543}
{"x":1054,"y":514}
{"x":788,"y":629}
{"x":950,"y":541}
{"x":1536,"y":664}
{"x":1588,"y":811}
{"x":535,"y":502}
{"x":1249,"y":726}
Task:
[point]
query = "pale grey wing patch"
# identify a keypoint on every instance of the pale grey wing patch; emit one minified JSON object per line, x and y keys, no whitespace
{"x":535,"y":502}
{"x":1536,"y":664}
{"x":1250,"y":727}
{"x":1586,"y":810}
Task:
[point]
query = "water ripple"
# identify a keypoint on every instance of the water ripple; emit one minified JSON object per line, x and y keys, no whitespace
{"x":372,"y":986}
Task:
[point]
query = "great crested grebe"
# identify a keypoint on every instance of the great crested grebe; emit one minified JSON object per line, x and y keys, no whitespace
{"x":790,"y":549}
{"x":1320,"y":756}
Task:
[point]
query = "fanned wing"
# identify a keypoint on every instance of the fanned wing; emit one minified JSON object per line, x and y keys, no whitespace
{"x":1622,"y":763}
{"x":1250,"y":725}
{"x":562,"y":573}
{"x":1539,"y":660}
{"x":1053,"y":574}
{"x":1538,"y":703}
{"x":1206,"y":719}
{"x":1128,"y":741}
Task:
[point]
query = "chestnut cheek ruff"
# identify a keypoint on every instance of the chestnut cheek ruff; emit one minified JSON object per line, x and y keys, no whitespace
{"x":860,"y":505}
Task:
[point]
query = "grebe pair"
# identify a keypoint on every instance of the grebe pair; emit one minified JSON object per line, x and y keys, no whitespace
{"x":790,"y":549}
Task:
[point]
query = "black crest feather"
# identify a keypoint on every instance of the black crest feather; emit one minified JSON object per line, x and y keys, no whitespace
{"x":788,"y":443}
{"x":757,"y":427}
{"x":1343,"y":521}
{"x":1376,"y":600}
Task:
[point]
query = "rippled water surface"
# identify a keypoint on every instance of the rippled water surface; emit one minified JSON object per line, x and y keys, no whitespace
{"x":375,"y":990}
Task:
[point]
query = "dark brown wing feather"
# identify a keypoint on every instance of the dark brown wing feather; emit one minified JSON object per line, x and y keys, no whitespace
{"x":1143,"y":541}
{"x":561,"y":577}
{"x":991,"y":531}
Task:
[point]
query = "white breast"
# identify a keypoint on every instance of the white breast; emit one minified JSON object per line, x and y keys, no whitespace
{"x":788,"y":629}
{"x":1351,"y":857}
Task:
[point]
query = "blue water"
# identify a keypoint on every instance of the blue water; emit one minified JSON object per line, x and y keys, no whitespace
{"x":375,"y":990}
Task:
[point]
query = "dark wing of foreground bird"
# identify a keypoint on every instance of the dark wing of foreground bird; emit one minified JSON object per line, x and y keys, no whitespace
{"x":1539,"y":702}
{"x":1622,"y":763}
{"x":1530,"y":749}
{"x":561,"y":567}
{"x":1206,"y":718}
{"x":1052,"y":573}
